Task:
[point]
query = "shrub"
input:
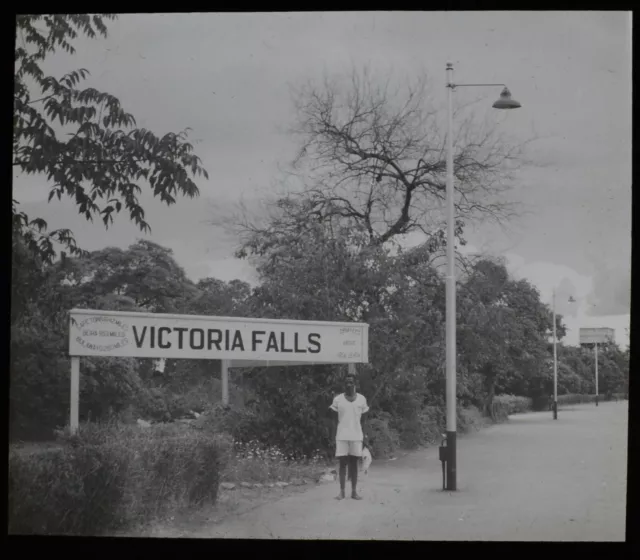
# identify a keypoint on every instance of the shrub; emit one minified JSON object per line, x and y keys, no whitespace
{"x":383,"y":439}
{"x":153,"y":405}
{"x":177,"y":406}
{"x":410,"y":431}
{"x":499,"y":411}
{"x":39,"y":502}
{"x":39,"y":389}
{"x":470,"y":419}
{"x":256,"y":462}
{"x":109,"y":477}
{"x":404,"y":417}
{"x":541,"y":402}
{"x":432,"y":424}
{"x":514,"y":404}
{"x":407,"y":424}
{"x":241,"y":424}
{"x":292,"y":436}
{"x":73,"y":490}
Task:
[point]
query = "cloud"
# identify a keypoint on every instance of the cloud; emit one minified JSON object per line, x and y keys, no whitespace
{"x":611,"y":293}
{"x":567,"y":289}
{"x":547,"y":277}
{"x":231,"y":269}
{"x":568,"y":283}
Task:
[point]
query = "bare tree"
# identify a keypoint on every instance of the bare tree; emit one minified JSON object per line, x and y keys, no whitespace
{"x":375,"y":159}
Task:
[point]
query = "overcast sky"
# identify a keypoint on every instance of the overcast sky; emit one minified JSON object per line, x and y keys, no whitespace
{"x":227,"y":77}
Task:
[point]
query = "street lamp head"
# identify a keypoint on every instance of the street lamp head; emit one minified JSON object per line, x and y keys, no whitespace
{"x":505,"y":101}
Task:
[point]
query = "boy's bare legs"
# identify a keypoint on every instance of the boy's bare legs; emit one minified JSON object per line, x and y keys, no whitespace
{"x":353,"y":475}
{"x":342,"y":474}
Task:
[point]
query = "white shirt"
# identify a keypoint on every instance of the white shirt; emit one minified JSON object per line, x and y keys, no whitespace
{"x":349,"y":413}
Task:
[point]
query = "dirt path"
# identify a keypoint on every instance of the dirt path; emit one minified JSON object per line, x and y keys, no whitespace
{"x":530,"y":479}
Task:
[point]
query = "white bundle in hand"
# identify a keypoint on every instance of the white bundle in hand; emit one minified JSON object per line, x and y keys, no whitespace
{"x":366,"y":459}
{"x":364,"y":462}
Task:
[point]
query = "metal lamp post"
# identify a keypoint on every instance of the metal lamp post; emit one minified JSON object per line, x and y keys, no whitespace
{"x":555,"y":357}
{"x":505,"y":102}
{"x":555,"y":361}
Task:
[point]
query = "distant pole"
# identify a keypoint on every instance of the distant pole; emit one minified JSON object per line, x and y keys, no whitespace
{"x":75,"y":395}
{"x":224,"y":376}
{"x":450,"y":296}
{"x":351,"y":368}
{"x":555,"y":361}
{"x":596,"y":374}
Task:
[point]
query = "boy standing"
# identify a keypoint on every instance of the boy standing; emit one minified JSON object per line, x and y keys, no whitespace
{"x":350,"y":406}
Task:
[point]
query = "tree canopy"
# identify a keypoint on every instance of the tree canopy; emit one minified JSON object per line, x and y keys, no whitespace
{"x":82,"y":141}
{"x":372,"y":158}
{"x":503,"y":337}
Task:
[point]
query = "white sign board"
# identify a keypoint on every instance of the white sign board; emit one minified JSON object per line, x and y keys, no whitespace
{"x":597,"y":335}
{"x":245,"y":342}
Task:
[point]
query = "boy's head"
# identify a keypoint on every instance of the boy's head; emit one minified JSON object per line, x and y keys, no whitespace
{"x":350,"y":382}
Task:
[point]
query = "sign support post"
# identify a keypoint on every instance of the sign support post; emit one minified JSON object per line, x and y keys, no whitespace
{"x":75,"y":395}
{"x":596,"y":345}
{"x":555,"y":361}
{"x":595,"y":336}
{"x":224,"y":376}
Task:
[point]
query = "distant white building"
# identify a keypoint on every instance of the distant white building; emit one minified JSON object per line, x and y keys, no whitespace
{"x":598,"y":335}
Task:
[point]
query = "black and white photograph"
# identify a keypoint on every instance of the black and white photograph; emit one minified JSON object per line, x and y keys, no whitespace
{"x":321,"y":275}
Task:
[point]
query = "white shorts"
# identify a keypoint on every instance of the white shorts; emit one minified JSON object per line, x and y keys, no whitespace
{"x":353,"y":448}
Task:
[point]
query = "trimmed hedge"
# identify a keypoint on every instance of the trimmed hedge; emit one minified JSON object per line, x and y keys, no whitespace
{"x":576,"y":399}
{"x":426,"y":429}
{"x":579,"y":399}
{"x":112,"y":477}
{"x":505,"y":405}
